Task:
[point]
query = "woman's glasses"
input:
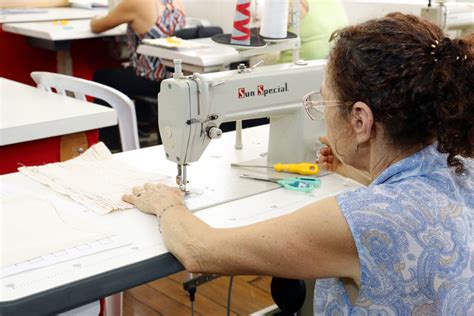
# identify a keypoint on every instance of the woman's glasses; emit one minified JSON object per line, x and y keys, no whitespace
{"x":315,"y":105}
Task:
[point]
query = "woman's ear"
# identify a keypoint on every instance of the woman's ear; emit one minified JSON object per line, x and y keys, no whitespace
{"x":362,"y":121}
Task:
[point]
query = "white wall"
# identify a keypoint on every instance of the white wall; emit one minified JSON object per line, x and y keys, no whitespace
{"x":361,"y":10}
{"x":218,"y":12}
{"x":221,"y":12}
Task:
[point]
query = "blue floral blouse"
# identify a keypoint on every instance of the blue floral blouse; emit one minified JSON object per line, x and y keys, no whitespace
{"x":413,"y":229}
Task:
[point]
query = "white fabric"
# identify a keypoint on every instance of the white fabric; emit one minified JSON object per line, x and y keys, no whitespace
{"x":95,"y":179}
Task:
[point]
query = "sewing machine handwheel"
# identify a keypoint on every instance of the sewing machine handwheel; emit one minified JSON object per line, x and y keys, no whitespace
{"x":288,"y":294}
{"x":214,"y":132}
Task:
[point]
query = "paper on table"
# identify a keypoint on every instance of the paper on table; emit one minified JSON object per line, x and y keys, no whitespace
{"x":95,"y":179}
{"x":22,"y":11}
{"x":8,"y":191}
{"x":23,"y":238}
{"x":80,"y":250}
{"x":89,"y":4}
{"x":174,"y":43}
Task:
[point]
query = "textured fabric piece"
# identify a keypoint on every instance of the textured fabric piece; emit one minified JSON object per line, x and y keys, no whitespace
{"x":171,"y":20}
{"x":95,"y":179}
{"x":413,"y":229}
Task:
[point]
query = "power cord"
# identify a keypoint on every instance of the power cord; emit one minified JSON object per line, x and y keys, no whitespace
{"x":192,"y":296}
{"x":229,"y":295}
{"x":190,"y":286}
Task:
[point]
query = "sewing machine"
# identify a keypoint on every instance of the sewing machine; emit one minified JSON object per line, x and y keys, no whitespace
{"x":191,"y":109}
{"x":451,"y":16}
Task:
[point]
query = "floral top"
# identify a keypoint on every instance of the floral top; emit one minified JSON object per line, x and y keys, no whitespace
{"x":171,"y":20}
{"x":413,"y":229}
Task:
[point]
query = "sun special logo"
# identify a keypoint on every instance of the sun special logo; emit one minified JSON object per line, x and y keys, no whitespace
{"x":242,"y":93}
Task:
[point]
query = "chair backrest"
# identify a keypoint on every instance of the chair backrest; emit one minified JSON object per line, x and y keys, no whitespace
{"x":81,"y":88}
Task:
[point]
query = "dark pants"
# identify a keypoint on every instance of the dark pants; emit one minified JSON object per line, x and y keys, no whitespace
{"x":137,"y":88}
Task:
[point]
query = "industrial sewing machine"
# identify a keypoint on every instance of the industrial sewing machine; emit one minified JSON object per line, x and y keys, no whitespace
{"x":191,"y":109}
{"x":451,"y":16}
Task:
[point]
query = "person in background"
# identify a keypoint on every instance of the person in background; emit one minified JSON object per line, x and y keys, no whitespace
{"x":146,"y":19}
{"x":398,"y":102}
{"x":318,"y":20}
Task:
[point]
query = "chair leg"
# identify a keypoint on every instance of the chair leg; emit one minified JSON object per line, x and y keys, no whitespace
{"x":113,"y":305}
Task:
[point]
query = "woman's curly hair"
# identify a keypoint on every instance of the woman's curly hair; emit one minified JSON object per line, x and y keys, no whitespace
{"x":418,"y":82}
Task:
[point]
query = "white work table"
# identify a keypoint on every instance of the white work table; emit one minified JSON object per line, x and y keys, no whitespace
{"x":28,"y":113}
{"x":56,"y":28}
{"x":73,"y":283}
{"x":215,"y":57}
{"x":61,"y":31}
{"x":51,"y":14}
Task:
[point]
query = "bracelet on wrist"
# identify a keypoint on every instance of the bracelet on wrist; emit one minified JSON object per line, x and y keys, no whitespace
{"x":163,"y":211}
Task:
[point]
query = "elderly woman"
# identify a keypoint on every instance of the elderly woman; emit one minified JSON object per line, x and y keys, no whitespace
{"x":399,"y":101}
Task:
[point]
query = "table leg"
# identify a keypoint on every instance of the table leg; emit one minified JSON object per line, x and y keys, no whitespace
{"x":64,"y":62}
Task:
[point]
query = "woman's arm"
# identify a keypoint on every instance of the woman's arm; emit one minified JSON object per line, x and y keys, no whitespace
{"x":313,"y":242}
{"x":124,"y":12}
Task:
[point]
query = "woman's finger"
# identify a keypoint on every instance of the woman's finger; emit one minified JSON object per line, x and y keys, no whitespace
{"x":181,"y":193}
{"x":324,"y":140}
{"x":325,"y":151}
{"x":149,"y":186}
{"x":137,"y":190}
{"x":129,"y":198}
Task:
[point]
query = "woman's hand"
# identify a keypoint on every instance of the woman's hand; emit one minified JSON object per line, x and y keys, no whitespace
{"x":154,"y":198}
{"x":184,"y":235}
{"x":327,"y":159}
